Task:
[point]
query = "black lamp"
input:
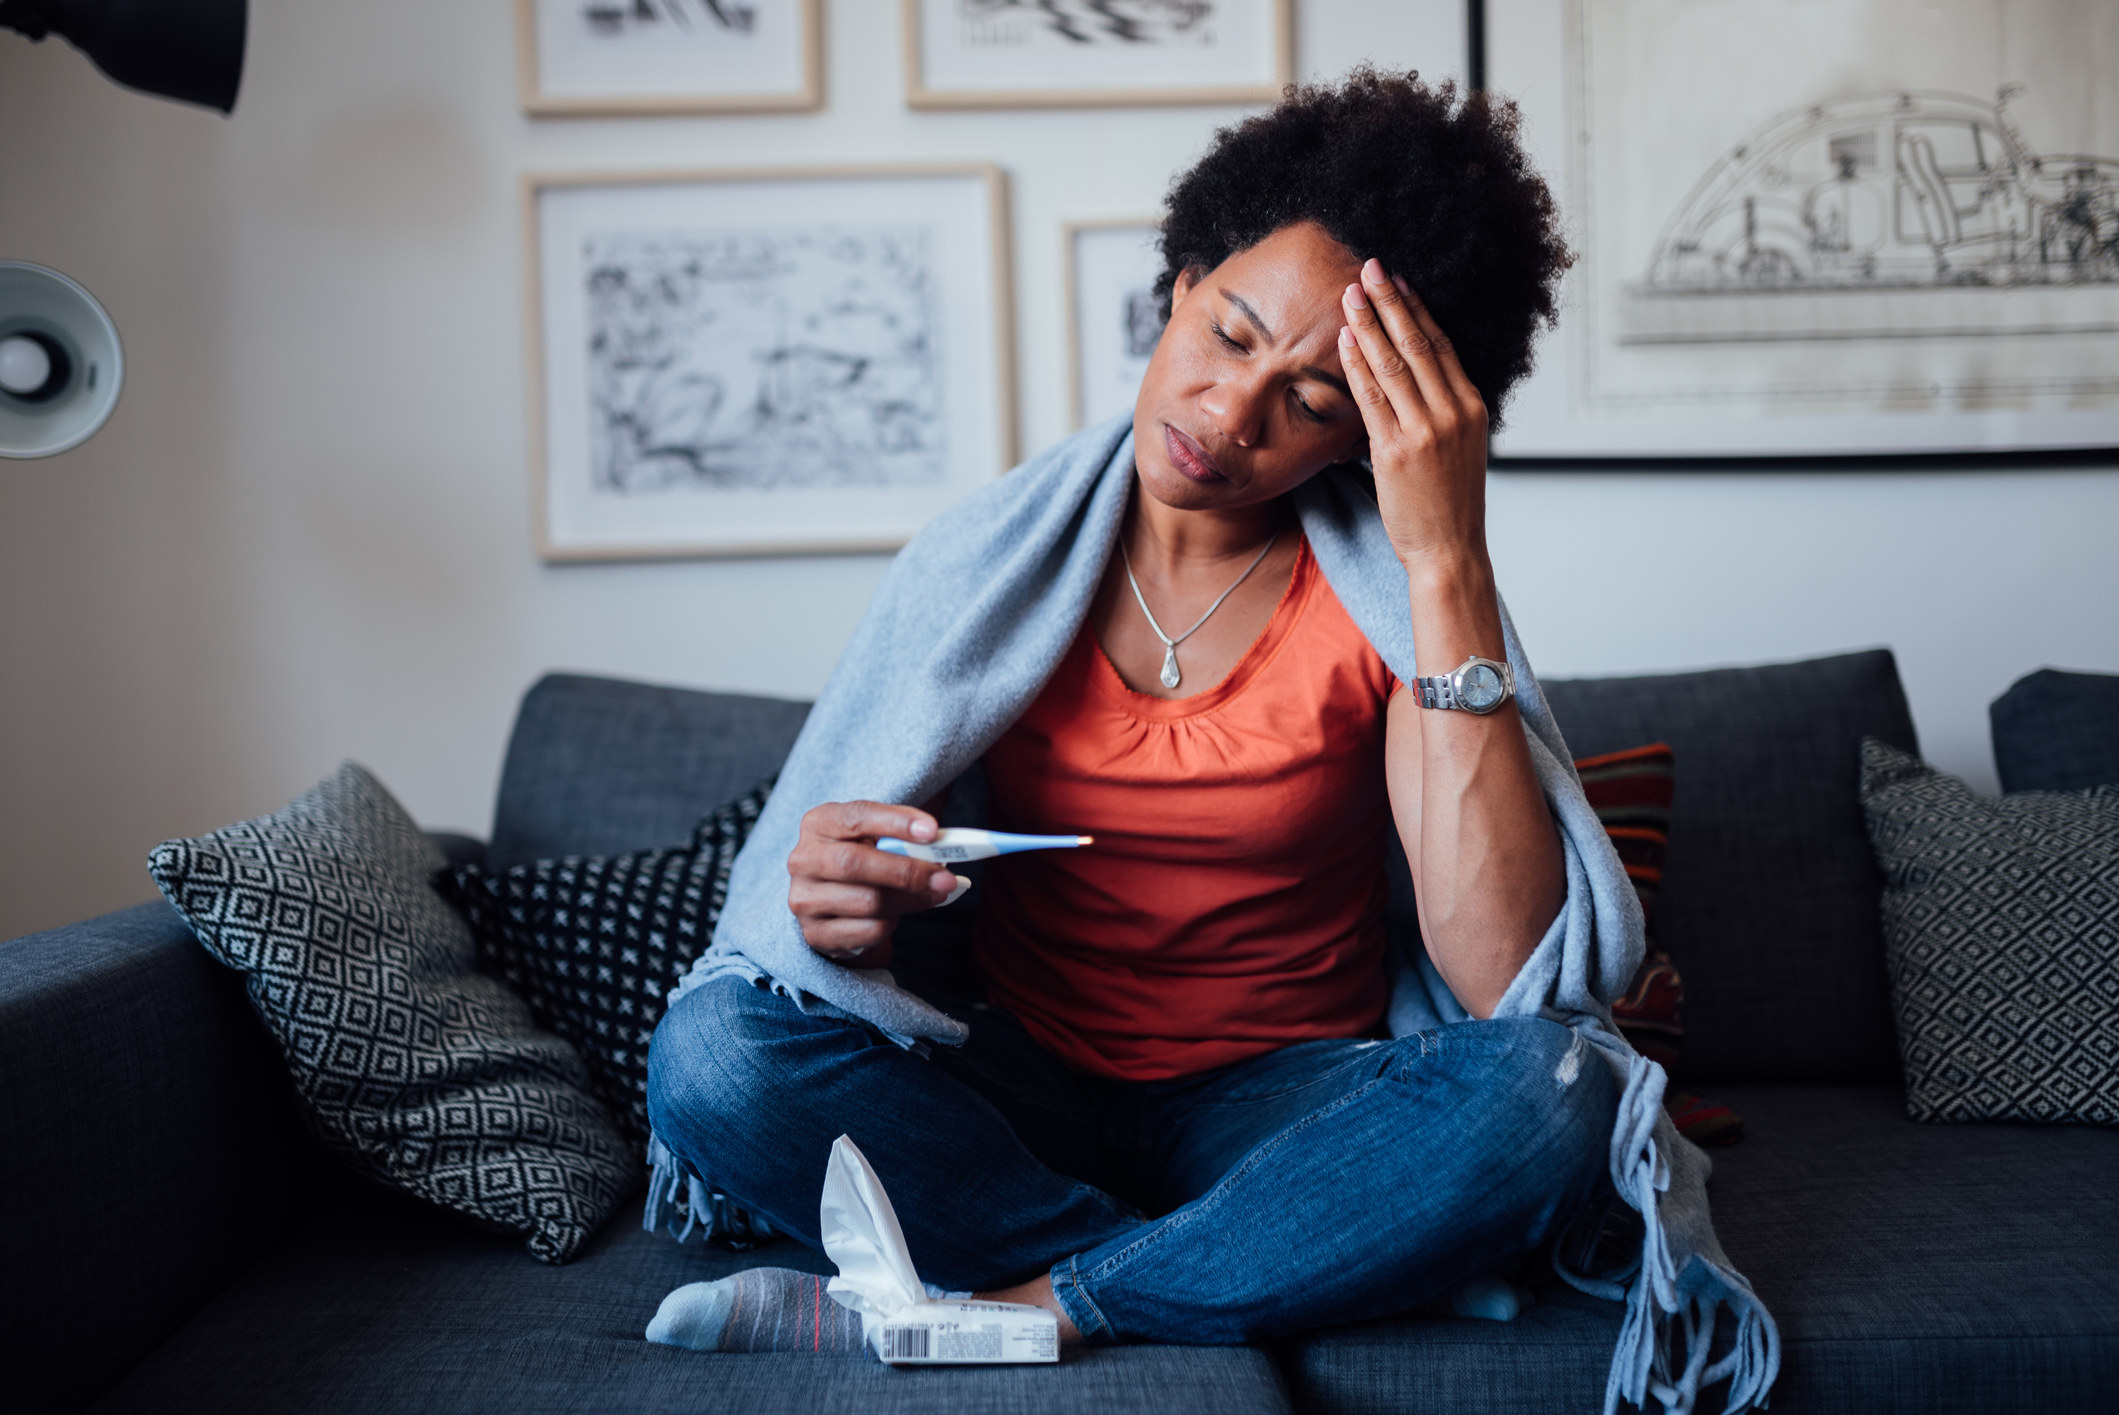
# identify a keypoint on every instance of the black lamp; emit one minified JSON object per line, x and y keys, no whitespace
{"x":185,"y":49}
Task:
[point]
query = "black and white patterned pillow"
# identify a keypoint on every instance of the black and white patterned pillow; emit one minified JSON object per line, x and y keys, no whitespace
{"x":594,"y":944}
{"x":417,"y":1069}
{"x":2001,"y":928}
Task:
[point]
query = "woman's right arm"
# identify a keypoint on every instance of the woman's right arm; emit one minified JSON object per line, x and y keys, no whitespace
{"x":847,"y":894}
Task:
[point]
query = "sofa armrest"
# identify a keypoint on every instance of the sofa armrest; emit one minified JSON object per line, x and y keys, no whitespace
{"x":148,"y":1146}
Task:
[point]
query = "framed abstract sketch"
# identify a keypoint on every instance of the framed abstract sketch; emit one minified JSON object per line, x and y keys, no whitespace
{"x":1113,"y":318}
{"x":745,"y":363}
{"x":1060,"y":53}
{"x":615,"y":57}
{"x":1822,"y":229}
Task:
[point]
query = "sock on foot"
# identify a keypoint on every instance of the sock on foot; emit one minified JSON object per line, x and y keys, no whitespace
{"x":759,"y":1309}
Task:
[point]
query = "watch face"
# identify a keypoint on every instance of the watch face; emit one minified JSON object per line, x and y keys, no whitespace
{"x":1482,"y":687}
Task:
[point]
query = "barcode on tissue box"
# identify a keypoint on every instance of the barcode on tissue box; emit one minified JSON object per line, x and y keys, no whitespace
{"x":904,"y":1343}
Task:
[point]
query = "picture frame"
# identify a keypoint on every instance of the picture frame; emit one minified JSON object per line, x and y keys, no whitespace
{"x":1113,"y":320}
{"x":631,"y":58}
{"x":764,"y":362}
{"x":1069,"y":53}
{"x":1791,"y":245}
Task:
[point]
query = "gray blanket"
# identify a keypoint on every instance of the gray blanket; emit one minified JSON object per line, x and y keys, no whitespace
{"x":968,"y":624}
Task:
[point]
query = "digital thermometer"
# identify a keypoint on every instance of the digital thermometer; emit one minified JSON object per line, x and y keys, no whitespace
{"x":960,"y":845}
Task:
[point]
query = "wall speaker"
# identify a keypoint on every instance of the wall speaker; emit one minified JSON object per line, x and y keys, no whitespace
{"x":60,"y":363}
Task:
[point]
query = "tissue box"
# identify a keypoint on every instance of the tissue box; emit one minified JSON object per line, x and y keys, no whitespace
{"x":968,"y":1334}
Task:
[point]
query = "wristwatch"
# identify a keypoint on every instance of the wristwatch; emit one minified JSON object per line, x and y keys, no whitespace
{"x":1479,"y":685}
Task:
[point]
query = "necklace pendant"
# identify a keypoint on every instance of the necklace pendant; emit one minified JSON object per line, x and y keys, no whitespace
{"x":1170,"y":676}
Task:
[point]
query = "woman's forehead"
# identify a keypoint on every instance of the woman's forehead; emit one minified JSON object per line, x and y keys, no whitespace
{"x":1290,"y":281}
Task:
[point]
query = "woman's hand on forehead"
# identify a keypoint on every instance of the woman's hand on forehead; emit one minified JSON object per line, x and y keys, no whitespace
{"x":1426,"y":422}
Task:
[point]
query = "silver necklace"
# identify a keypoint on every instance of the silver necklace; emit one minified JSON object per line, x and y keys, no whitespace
{"x":1170,"y":676}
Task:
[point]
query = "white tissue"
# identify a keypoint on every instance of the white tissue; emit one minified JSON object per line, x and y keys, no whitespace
{"x":862,"y":1236}
{"x":899,"y":1321}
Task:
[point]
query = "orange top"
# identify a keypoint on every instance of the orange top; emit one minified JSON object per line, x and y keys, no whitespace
{"x":1233,"y":901}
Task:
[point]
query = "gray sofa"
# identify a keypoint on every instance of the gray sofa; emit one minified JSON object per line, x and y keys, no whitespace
{"x":171,"y":1240}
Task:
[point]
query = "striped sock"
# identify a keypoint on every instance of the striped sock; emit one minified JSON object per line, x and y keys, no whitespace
{"x":759,"y":1309}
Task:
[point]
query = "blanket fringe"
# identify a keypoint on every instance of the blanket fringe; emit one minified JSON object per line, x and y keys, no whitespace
{"x":1672,"y":1313}
{"x":675,"y":1194}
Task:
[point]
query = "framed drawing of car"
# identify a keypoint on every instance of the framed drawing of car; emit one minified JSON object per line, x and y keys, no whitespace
{"x":1875,"y":226}
{"x":590,"y":58}
{"x":1062,"y":53}
{"x":1114,"y":320}
{"x":764,"y":362}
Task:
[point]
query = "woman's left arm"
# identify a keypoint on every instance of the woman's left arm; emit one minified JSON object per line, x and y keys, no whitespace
{"x":1485,"y":855}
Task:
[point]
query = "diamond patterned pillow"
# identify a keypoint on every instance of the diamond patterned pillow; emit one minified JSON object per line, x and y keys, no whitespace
{"x":595,"y":944}
{"x":415,"y":1068}
{"x":2001,"y":931}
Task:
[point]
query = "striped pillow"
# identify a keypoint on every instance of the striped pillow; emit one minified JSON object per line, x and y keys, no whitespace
{"x":1631,"y":791}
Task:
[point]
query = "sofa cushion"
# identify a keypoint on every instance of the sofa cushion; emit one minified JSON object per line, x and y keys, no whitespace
{"x":2001,"y":928}
{"x":598,"y":766}
{"x":2056,"y":731}
{"x":1910,"y":1267}
{"x":389,"y":1311}
{"x":417,"y":1070}
{"x":1769,"y":895}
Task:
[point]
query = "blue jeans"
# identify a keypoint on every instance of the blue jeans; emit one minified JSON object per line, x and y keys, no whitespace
{"x":1326,"y":1182}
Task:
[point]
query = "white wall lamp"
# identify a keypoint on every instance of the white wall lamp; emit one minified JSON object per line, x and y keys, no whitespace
{"x":61,"y":365}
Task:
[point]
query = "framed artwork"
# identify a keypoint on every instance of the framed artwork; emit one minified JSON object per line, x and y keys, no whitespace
{"x":1874,"y":226}
{"x":748,"y":363}
{"x":1113,"y":318}
{"x":615,"y":57}
{"x":1063,"y":53}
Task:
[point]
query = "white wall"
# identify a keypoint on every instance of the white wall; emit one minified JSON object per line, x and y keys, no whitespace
{"x":305,"y":534}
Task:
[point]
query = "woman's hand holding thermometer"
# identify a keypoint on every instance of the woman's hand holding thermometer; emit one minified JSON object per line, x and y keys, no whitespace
{"x":852,"y":873}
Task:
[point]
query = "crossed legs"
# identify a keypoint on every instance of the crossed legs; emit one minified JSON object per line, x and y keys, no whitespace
{"x":1327,"y":1182}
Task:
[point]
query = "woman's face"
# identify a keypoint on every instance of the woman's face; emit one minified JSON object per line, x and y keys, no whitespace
{"x":1244,"y":398}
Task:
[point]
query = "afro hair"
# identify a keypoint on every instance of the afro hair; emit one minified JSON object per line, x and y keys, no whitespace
{"x":1435,"y":186}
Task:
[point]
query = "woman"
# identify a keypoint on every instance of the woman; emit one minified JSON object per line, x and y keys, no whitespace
{"x":1172,"y":1108}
